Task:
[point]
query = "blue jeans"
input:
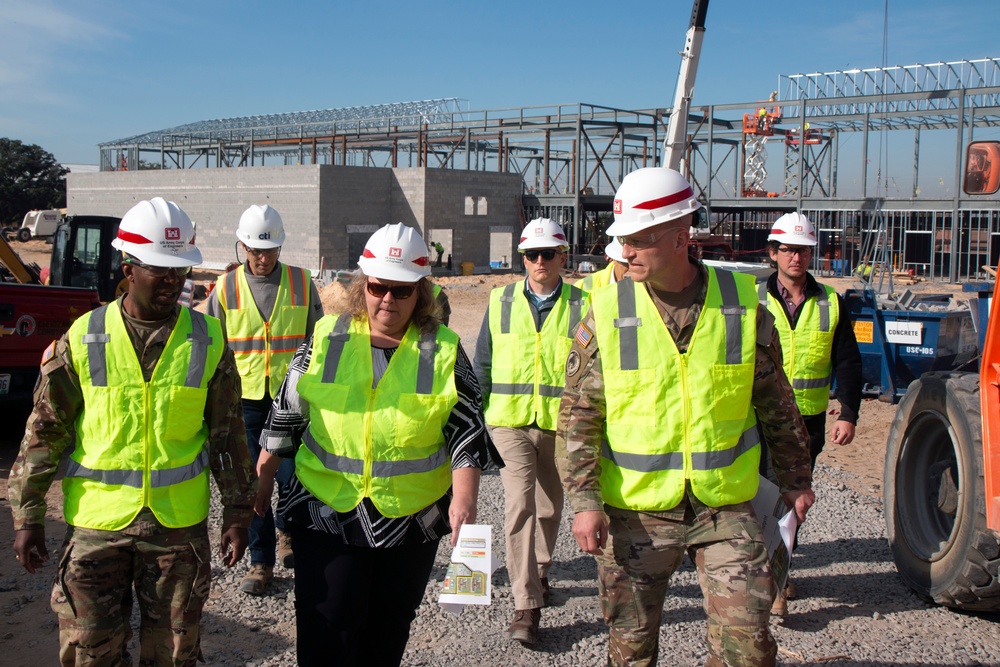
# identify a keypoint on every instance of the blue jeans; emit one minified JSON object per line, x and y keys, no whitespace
{"x":263,"y":541}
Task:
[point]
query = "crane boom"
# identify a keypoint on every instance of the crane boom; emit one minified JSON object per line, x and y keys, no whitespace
{"x":673,"y":143}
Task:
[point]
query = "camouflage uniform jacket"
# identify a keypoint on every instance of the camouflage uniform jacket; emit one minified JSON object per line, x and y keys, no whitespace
{"x":59,"y":403}
{"x":582,"y":410}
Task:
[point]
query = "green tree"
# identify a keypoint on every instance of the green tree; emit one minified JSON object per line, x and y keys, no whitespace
{"x":30,"y":178}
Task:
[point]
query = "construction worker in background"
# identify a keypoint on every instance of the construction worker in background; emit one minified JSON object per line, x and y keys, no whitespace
{"x":439,"y":249}
{"x":612,"y":273}
{"x":267,"y":310}
{"x":657,"y":438}
{"x":817,"y":343}
{"x":127,"y":389}
{"x":521,"y":363}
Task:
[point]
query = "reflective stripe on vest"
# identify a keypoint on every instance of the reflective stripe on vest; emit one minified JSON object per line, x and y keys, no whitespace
{"x":597,"y":279}
{"x":528,"y":368}
{"x":807,"y":349}
{"x":673,"y":417}
{"x":263,"y":350}
{"x":132,"y":434}
{"x":385,"y":443}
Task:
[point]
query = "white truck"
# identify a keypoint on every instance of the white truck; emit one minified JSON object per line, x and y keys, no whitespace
{"x":37,"y":224}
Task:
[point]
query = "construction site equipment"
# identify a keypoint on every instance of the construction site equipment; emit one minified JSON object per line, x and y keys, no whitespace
{"x":917,"y":336}
{"x":83,"y":272}
{"x":757,"y":127}
{"x":36,"y":224}
{"x":942,"y":483}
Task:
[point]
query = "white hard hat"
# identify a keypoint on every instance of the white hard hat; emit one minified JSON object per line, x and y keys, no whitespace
{"x":261,"y":228}
{"x":542,"y":233}
{"x":793,"y":229}
{"x":651,"y":196}
{"x":396,"y":252}
{"x":614,"y":251}
{"x":159,"y":233}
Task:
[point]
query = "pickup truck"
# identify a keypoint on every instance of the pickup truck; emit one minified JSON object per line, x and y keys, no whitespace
{"x":31,"y":317}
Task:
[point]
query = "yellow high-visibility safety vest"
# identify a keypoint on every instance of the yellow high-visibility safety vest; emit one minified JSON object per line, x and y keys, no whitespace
{"x":140,"y":444}
{"x":673,"y":417}
{"x":597,"y":279}
{"x":806,"y":350}
{"x":263,"y":350}
{"x":386,"y":444}
{"x":528,"y":368}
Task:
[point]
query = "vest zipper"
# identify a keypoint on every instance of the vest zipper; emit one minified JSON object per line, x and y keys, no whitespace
{"x":147,"y":500}
{"x":686,"y":445}
{"x":369,"y":449}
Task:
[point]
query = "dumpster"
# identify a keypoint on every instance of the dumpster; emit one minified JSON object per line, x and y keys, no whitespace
{"x":897,"y":346}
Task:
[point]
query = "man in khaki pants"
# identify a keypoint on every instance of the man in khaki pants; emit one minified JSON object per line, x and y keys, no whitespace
{"x":521,"y":364}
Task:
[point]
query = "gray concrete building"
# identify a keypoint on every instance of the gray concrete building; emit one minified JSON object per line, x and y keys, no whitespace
{"x":329,"y":211}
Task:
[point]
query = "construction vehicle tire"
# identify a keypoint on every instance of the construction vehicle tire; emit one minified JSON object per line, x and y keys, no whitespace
{"x":934,"y":495}
{"x":23,"y":234}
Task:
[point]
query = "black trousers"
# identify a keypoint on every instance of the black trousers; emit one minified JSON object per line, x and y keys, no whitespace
{"x":354,"y":605}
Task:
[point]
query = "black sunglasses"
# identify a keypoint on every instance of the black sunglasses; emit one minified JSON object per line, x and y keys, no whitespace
{"x":399,"y":292}
{"x":532,"y":255}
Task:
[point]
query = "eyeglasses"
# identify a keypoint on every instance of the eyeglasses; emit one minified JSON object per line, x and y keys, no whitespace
{"x":159,"y":271}
{"x":802,"y":251}
{"x":399,"y":292}
{"x":640,"y":241}
{"x":266,"y":252}
{"x":532,"y":255}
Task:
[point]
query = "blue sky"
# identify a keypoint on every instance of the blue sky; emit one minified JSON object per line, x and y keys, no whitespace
{"x":74,"y":74}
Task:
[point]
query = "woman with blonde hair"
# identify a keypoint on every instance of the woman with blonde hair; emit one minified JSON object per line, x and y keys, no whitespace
{"x":383,"y":415}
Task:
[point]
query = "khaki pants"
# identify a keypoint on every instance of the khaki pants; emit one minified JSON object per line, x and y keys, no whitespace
{"x":533,"y":497}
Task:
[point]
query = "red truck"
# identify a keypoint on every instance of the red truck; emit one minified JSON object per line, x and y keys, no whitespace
{"x":31,"y":317}
{"x":84,"y":272}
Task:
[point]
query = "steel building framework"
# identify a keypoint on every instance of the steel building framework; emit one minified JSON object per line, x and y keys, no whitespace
{"x":573,"y":156}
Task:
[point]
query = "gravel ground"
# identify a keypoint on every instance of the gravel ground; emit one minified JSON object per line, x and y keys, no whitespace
{"x":852,"y":607}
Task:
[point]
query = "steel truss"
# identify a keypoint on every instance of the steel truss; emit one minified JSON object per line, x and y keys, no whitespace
{"x":573,"y":156}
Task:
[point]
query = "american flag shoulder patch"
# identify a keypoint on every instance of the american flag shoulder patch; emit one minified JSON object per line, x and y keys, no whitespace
{"x":584,"y":335}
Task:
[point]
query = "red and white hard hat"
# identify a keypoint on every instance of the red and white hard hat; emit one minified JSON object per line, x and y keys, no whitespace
{"x":651,"y":196}
{"x":396,"y":252}
{"x":793,"y":229}
{"x":261,"y":228}
{"x":542,"y":233}
{"x":614,"y":251}
{"x":159,"y":233}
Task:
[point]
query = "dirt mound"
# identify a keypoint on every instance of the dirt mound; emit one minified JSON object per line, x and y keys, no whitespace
{"x":334,"y":298}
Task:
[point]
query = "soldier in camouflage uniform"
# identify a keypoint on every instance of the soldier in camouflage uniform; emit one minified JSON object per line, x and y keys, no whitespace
{"x":657,"y":440}
{"x":148,"y":524}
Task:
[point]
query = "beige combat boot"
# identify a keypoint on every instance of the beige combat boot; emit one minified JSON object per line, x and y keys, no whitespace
{"x":256,"y":580}
{"x":285,"y":555}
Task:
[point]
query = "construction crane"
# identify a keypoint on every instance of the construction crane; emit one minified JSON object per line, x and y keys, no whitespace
{"x":674,"y":142}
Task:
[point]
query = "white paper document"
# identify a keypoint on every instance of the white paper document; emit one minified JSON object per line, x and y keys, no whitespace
{"x":778,"y":524}
{"x":468,"y":580}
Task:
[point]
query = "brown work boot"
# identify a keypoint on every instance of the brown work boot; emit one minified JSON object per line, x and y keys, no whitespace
{"x":546,"y":591}
{"x":524,"y":627}
{"x":256,"y":580}
{"x":285,"y":555}
{"x":779,"y":608}
{"x":790,"y":591}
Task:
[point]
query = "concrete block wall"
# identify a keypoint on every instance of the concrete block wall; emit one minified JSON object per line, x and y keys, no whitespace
{"x":351,"y":197}
{"x":214,"y":199}
{"x":328,"y":210}
{"x":446,"y":192}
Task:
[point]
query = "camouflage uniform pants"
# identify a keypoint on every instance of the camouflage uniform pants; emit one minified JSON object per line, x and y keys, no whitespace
{"x":92,"y":594}
{"x":728,"y":550}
